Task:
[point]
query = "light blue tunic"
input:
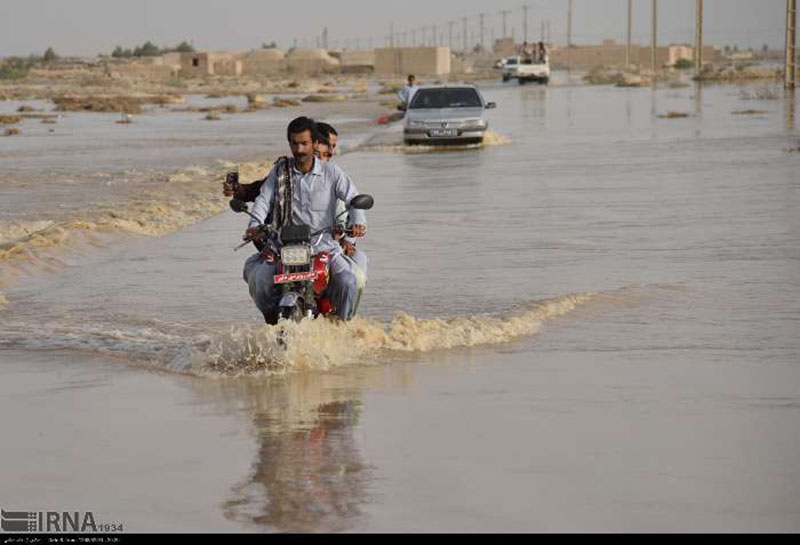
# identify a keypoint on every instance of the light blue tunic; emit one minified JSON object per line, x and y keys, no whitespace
{"x":314,"y":201}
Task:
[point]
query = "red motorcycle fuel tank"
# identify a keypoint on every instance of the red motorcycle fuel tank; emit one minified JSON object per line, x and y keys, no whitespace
{"x":321,"y":266}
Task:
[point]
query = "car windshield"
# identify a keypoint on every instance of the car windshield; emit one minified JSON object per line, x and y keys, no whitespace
{"x":446,"y":98}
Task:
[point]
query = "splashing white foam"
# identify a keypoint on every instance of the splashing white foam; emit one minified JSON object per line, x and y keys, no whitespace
{"x":323,"y":344}
{"x":490,"y":138}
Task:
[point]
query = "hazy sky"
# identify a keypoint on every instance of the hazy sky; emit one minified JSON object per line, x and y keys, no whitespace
{"x":88,"y":27}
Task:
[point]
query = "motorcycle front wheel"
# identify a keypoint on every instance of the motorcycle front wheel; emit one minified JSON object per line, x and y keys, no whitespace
{"x":294,"y":313}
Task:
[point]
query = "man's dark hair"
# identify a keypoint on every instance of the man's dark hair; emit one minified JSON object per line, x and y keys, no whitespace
{"x":326,"y":130}
{"x":300,"y":124}
{"x":321,"y":138}
{"x":412,"y":76}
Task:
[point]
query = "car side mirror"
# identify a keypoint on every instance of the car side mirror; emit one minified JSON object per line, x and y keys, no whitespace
{"x":490,"y":105}
{"x":362,"y":202}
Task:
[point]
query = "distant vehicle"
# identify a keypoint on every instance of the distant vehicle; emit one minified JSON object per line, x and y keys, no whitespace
{"x":446,"y":114}
{"x":524,"y":69}
{"x":507,"y":67}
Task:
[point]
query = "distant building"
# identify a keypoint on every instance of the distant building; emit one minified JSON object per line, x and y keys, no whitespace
{"x":357,"y":61}
{"x":263,"y":61}
{"x":504,"y":47}
{"x":310,"y":61}
{"x":428,"y":61}
{"x":202,"y":64}
{"x":610,"y":53}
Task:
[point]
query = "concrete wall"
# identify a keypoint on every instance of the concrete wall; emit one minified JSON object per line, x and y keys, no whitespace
{"x":196,"y":64}
{"x":428,"y":61}
{"x":225,"y":65}
{"x":263,"y":62}
{"x":359,"y":60}
{"x":504,"y":47}
{"x":310,"y":61}
{"x":586,"y":57}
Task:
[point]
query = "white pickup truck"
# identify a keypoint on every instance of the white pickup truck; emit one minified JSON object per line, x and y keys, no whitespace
{"x":524,"y":69}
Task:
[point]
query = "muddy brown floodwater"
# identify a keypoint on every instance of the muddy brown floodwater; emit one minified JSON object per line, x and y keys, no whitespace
{"x":594,"y":325}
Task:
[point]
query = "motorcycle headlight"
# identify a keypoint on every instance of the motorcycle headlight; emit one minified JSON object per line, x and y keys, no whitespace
{"x":295,"y":255}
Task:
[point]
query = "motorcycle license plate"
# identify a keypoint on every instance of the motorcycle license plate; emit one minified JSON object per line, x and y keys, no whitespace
{"x":444,"y":132}
{"x":294,"y":277}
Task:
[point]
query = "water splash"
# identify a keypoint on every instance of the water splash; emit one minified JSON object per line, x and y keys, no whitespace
{"x":490,"y":138}
{"x":322,"y":344}
{"x":187,"y":197}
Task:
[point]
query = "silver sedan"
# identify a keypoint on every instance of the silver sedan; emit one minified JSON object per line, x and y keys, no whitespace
{"x":446,"y":115}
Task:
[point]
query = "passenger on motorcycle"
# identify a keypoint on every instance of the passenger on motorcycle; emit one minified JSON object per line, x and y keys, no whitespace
{"x":325,"y":149}
{"x":304,"y":190}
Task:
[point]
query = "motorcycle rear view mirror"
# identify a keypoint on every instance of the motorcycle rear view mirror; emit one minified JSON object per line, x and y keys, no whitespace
{"x":238,"y":205}
{"x":362,"y":202}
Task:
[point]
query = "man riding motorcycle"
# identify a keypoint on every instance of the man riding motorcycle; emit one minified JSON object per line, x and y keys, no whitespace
{"x":303,"y":190}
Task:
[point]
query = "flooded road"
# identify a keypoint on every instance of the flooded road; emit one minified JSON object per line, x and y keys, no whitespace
{"x":598,"y":331}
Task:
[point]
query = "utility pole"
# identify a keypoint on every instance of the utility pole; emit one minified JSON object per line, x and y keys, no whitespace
{"x":655,"y":41}
{"x":505,"y":13}
{"x":450,"y":32}
{"x":628,"y":46}
{"x":791,"y":42}
{"x":524,"y":23}
{"x":481,"y":18}
{"x":464,"y":33}
{"x":541,"y":33}
{"x":698,"y":39}
{"x":391,"y":35}
{"x":569,"y":35}
{"x":549,"y":33}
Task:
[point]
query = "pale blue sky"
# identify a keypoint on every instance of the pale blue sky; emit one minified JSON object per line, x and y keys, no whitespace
{"x":88,"y":27}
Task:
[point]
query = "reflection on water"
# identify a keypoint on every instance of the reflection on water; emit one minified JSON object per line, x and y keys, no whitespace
{"x":308,"y":474}
{"x":698,"y":108}
{"x":305,"y":478}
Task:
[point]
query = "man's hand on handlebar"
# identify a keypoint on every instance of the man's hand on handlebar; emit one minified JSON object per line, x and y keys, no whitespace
{"x":348,"y":247}
{"x":357,"y":230}
{"x":250,"y":233}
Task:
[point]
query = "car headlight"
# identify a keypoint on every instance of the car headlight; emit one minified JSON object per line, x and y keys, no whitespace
{"x":295,"y":255}
{"x":416,"y":124}
{"x":475,"y":123}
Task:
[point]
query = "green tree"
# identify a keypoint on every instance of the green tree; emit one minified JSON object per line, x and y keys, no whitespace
{"x":118,"y":52}
{"x":149,"y":49}
{"x":50,"y":55}
{"x":184,"y":47}
{"x":271,"y":45}
{"x":684,"y":63}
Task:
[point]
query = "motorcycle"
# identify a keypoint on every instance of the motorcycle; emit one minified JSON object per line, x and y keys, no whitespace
{"x":301,"y":278}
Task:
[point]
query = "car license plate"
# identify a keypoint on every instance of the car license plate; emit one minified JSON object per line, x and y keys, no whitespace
{"x":444,"y":132}
{"x":294,"y":277}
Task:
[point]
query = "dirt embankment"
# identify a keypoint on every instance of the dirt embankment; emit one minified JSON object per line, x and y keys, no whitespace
{"x":739,"y":73}
{"x":118,"y":103}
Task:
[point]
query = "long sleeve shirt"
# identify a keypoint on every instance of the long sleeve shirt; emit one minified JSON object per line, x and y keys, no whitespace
{"x":406,"y":94}
{"x":314,"y":199}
